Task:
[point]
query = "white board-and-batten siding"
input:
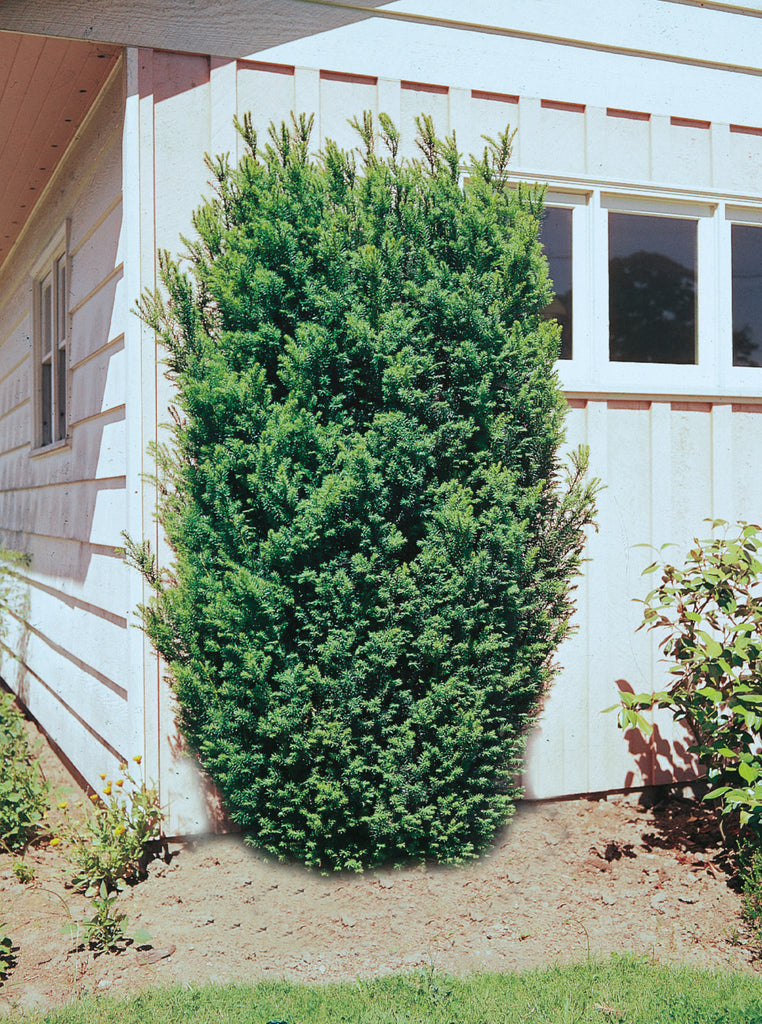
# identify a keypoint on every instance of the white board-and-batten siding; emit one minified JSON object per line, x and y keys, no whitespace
{"x":670,"y":443}
{"x":66,"y":507}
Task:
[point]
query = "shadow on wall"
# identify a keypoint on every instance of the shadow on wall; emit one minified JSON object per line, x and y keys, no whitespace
{"x":659,"y":760}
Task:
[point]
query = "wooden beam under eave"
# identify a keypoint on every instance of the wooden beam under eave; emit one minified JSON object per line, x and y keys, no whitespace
{"x":220,"y":27}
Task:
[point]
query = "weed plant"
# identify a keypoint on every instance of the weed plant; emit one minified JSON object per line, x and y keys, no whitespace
{"x":106,"y":931}
{"x":117,"y":836}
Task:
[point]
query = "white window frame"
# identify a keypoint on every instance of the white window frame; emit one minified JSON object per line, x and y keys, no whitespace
{"x":51,"y":345}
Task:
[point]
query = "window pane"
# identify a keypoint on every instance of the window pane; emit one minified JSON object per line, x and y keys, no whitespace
{"x":61,"y":301}
{"x":556,"y":238}
{"x":61,"y":394}
{"x":746,"y":242}
{"x":47,"y":403}
{"x":46,"y":315}
{"x":652,"y":289}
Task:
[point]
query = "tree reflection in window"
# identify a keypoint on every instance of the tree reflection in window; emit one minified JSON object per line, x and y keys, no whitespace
{"x":556,"y":238}
{"x":746,"y":243}
{"x":652,"y":289}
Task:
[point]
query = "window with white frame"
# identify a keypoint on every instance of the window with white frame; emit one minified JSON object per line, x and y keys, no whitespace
{"x":556,"y":238}
{"x":746,"y":249}
{"x":652,"y":288}
{"x":50,"y":319}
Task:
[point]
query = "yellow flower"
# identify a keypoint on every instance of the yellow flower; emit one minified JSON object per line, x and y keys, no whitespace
{"x":63,"y":804}
{"x":94,"y":797}
{"x":119,"y":782}
{"x":123,"y":766}
{"x":103,"y":775}
{"x":55,"y":842}
{"x":119,"y":830}
{"x":107,"y":790}
{"x":137,"y":758}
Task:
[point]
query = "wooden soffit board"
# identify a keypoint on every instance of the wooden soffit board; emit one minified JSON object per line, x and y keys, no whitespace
{"x":46,"y":88}
{"x":224,"y":28}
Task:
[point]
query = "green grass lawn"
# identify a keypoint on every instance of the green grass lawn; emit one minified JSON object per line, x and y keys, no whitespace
{"x":622,"y":989}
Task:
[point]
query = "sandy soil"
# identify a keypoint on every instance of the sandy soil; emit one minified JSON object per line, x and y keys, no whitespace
{"x":562,"y":879}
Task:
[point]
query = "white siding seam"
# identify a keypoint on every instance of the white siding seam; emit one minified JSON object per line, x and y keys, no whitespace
{"x":118,"y":483}
{"x":97,"y":549}
{"x":117,"y":201}
{"x":15,"y":448}
{"x":67,"y":707}
{"x":14,"y":408}
{"x":15,"y":367}
{"x":112,"y":343}
{"x":67,"y":655}
{"x":14,"y":327}
{"x":118,"y":269}
{"x":108,"y":415}
{"x":72,"y":601}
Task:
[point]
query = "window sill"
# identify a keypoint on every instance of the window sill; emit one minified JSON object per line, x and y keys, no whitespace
{"x":50,"y":449}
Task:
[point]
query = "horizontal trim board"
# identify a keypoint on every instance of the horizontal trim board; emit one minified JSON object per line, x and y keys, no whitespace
{"x":261,"y":65}
{"x":744,"y":129}
{"x":495,"y":97}
{"x":745,"y":407}
{"x":689,"y":122}
{"x":573,"y":108}
{"x":85,"y":725}
{"x":348,"y":77}
{"x":628,"y":115}
{"x":691,"y":406}
{"x":656,"y":207}
{"x":637,"y":404}
{"x":440,"y":90}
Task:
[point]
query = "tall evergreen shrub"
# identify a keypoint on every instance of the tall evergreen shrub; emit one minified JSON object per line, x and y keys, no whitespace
{"x":373,"y":549}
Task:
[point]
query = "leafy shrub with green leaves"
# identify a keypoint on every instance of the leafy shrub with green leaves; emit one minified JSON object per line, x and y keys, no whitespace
{"x":710,"y":610}
{"x":374,"y":538}
{"x":24,"y":790}
{"x":114,"y":841}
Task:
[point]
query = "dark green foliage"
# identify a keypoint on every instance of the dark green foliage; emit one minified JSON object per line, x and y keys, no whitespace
{"x":373,"y":552}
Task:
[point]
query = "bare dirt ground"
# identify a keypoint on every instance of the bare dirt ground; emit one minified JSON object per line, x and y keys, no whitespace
{"x":562,"y":880}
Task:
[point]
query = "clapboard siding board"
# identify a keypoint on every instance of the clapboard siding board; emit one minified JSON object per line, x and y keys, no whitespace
{"x":66,"y":507}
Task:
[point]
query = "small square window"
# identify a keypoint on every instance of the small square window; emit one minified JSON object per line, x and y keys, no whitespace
{"x":556,"y":238}
{"x":50,"y":348}
{"x":746,"y":245}
{"x":652,"y":289}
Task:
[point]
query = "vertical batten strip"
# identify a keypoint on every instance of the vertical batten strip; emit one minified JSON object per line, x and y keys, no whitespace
{"x":459,"y":119}
{"x":307,"y":101}
{"x":389,"y":95}
{"x":139,"y":245}
{"x":223,"y":105}
{"x":662,"y":532}
{"x":595,"y":593}
{"x":722,"y":461}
